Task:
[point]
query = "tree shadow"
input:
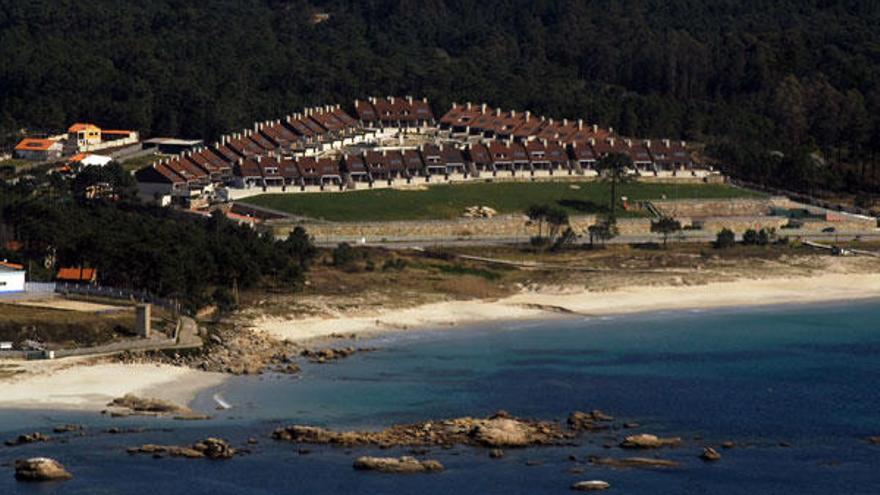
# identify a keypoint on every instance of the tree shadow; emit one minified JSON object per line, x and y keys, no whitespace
{"x":583,"y":206}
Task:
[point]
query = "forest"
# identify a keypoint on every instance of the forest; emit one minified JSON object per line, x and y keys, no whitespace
{"x":783,"y":93}
{"x":193,"y":260}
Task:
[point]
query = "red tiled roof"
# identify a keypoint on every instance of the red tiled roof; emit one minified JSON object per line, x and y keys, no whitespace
{"x":33,"y":144}
{"x":77,"y":274}
{"x":14,"y":266}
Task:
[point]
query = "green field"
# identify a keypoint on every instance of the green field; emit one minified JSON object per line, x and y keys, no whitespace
{"x":449,"y":201}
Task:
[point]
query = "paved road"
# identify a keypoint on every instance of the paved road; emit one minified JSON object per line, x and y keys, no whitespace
{"x":408,"y":243}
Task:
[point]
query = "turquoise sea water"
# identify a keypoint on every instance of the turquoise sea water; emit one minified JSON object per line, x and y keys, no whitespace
{"x":805,"y":377}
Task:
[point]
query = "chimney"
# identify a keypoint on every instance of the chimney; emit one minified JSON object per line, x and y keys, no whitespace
{"x":595,"y":129}
{"x":513,"y":113}
{"x":580,"y":124}
{"x":545,"y":143}
{"x":611,"y":141}
{"x":564,"y":122}
{"x":391,"y":100}
{"x":528,"y":114}
{"x":468,"y":105}
{"x":256,"y":126}
{"x":259,"y":158}
{"x":483,"y":108}
{"x":666,"y":143}
{"x":610,"y":130}
{"x":647,"y":143}
{"x":498,"y":112}
{"x":592,"y":141}
{"x":454,"y":105}
{"x":425,"y":99}
{"x":683,"y":144}
{"x":409,"y":99}
{"x":441,"y":147}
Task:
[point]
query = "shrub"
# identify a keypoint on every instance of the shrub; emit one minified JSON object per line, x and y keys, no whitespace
{"x":725,"y":239}
{"x":343,"y":255}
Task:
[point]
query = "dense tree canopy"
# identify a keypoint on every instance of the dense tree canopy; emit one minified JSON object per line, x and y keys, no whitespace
{"x":798,"y":77}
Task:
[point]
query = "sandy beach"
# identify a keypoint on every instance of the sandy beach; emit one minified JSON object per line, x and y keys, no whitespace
{"x":546,"y":303}
{"x":74,"y":384}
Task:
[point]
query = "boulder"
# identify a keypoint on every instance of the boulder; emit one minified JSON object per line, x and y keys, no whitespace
{"x":502,"y":432}
{"x":496,"y":453}
{"x":874,"y":440}
{"x":27,"y":438}
{"x":397,"y":465}
{"x":647,"y":441}
{"x":591,"y":421}
{"x":215,"y":448}
{"x":588,"y":486}
{"x":728,"y":444}
{"x":40,"y":469}
{"x":710,"y":454}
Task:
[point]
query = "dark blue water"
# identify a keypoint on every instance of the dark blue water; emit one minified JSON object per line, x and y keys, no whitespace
{"x":805,"y":376}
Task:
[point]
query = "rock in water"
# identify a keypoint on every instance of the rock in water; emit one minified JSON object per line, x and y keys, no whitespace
{"x":397,"y":465}
{"x":874,"y":440}
{"x":215,"y":448}
{"x":502,"y":432}
{"x":710,"y":454}
{"x":646,"y":441}
{"x":496,"y":453}
{"x":588,"y":486}
{"x":40,"y":469}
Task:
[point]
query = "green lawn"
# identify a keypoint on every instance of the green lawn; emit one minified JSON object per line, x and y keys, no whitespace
{"x":449,"y":201}
{"x":141,"y":161}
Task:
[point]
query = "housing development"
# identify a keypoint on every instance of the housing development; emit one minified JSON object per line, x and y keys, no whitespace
{"x":397,"y":140}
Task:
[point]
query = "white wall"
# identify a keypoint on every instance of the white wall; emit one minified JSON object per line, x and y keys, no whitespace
{"x":11,"y":281}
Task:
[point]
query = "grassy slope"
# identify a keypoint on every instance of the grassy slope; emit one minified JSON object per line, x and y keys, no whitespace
{"x":445,"y":201}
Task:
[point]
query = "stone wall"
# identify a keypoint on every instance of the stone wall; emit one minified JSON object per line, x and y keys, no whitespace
{"x":714,"y":207}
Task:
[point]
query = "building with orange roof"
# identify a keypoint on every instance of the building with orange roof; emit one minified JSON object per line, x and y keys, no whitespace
{"x":11,"y":277}
{"x":83,"y":137}
{"x":77,"y":275}
{"x":38,"y":149}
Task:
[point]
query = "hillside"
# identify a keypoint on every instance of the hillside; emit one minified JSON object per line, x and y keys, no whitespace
{"x":801,"y":78}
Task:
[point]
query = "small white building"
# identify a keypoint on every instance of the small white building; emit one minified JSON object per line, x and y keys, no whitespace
{"x":11,"y":278}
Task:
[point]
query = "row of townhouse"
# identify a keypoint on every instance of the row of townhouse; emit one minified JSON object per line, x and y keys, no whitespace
{"x":484,"y":158}
{"x":481,"y":120}
{"x":394,"y":112}
{"x":192,"y":174}
{"x":282,"y":152}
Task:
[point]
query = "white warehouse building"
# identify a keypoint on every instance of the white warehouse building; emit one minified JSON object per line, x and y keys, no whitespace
{"x":11,"y":278}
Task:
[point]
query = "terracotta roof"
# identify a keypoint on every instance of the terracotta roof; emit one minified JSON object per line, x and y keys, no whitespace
{"x":288,"y":169}
{"x":354,"y":164}
{"x":33,"y":144}
{"x":79,"y":127}
{"x":412,"y":160}
{"x":77,"y":274}
{"x":480,"y":154}
{"x":583,"y":151}
{"x":461,"y":115}
{"x":13,"y":266}
{"x":365,"y":111}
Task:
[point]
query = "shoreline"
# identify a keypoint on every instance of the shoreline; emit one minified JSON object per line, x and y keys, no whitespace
{"x":87,"y":385}
{"x":570,"y":301}
{"x":81,"y":385}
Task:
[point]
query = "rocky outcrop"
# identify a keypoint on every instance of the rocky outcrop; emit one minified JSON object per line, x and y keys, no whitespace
{"x":498,"y":431}
{"x":330,"y":354}
{"x":132,"y":405}
{"x":67,"y":428}
{"x":479,"y":212}
{"x":633,"y":462}
{"x":211,"y":448}
{"x":592,"y":421}
{"x":231,"y":349}
{"x":646,"y":441}
{"x":397,"y":465}
{"x":40,"y":469}
{"x":27,"y":438}
{"x":710,"y":454}
{"x":591,"y":485}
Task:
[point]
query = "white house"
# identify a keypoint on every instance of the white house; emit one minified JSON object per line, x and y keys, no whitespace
{"x":11,"y":277}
